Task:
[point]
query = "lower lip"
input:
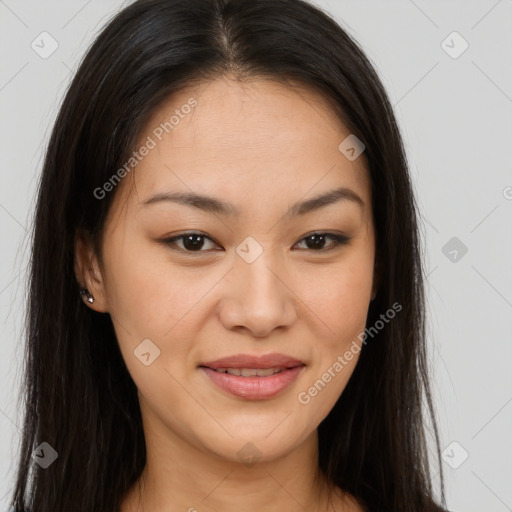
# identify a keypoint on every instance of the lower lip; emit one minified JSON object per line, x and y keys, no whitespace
{"x":254,"y":388}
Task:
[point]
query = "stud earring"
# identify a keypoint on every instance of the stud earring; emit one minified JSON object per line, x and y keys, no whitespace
{"x":87,"y":295}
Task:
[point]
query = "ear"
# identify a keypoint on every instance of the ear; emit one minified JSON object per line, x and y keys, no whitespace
{"x":88,"y":272}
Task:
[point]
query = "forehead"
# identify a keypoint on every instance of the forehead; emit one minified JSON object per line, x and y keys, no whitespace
{"x":248,"y":139}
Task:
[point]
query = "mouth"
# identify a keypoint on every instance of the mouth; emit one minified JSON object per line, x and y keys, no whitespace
{"x":249,"y":372}
{"x":253,"y":377}
{"x":271,"y":361}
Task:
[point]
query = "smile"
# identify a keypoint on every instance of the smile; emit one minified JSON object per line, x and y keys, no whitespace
{"x":250,"y":372}
{"x":252,"y":383}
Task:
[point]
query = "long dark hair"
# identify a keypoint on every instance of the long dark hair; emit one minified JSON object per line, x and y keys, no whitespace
{"x":79,"y":396}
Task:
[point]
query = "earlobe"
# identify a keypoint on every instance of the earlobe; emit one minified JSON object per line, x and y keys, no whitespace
{"x":88,"y":274}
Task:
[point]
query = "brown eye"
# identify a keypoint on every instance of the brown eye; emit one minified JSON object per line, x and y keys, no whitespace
{"x":317,"y":241}
{"x":191,"y":242}
{"x":195,"y":242}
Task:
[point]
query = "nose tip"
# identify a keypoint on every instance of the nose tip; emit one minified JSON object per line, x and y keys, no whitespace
{"x":257,"y":300}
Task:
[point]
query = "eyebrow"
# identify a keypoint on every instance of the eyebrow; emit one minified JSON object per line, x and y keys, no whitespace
{"x":214,"y":205}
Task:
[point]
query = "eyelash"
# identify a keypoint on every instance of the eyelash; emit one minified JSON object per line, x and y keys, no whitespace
{"x":338,"y":240}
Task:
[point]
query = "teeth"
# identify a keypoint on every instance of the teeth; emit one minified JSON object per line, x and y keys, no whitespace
{"x":250,"y":372}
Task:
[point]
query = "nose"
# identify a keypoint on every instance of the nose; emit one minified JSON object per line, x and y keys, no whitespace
{"x":257,"y":298}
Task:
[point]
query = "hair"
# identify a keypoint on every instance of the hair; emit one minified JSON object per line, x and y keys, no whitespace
{"x":78,"y":394}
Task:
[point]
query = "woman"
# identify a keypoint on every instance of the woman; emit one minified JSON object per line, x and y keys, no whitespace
{"x":226,"y":307}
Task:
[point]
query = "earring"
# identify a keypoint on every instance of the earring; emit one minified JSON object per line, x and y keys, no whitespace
{"x":87,"y":295}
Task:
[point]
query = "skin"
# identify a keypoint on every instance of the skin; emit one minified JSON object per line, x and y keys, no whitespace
{"x":200,"y":306}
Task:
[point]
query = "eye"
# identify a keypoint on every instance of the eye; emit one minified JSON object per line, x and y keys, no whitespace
{"x":192,"y":242}
{"x":195,"y":242}
{"x":316,"y":241}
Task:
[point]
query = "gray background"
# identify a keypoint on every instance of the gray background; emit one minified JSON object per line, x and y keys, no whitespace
{"x":455,"y":116}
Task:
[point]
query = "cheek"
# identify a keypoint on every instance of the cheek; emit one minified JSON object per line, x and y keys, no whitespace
{"x":152,"y":298}
{"x":146,"y":292}
{"x":341,"y":301}
{"x":340,"y":297}
{"x":149,"y":299}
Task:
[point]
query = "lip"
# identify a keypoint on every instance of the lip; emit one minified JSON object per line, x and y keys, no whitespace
{"x":248,"y":361}
{"x":254,"y":387}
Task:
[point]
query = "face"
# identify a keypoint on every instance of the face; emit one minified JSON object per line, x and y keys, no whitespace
{"x":261,"y":274}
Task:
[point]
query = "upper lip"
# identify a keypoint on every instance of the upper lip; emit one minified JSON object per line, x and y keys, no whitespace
{"x":249,"y":361}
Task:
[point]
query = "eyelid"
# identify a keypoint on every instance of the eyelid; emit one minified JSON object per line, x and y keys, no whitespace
{"x":339,"y":240}
{"x":170,"y":241}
